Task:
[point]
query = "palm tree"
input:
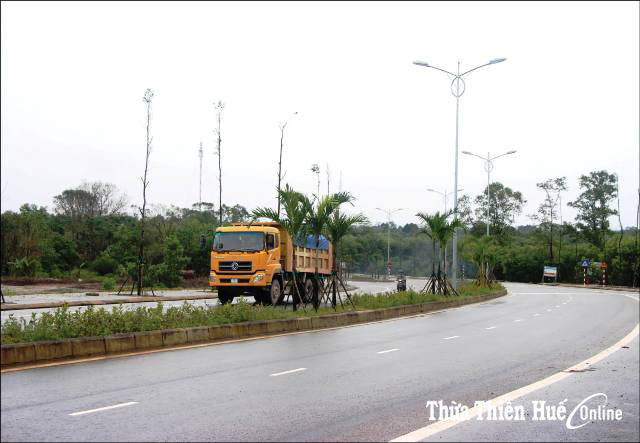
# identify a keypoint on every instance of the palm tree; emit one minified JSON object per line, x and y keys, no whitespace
{"x":432,"y":225}
{"x":316,"y":222}
{"x":440,"y":230}
{"x":482,"y":253}
{"x":296,"y":205}
{"x":447,"y":228}
{"x":338,"y":226}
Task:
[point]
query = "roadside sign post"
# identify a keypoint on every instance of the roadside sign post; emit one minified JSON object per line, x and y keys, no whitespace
{"x":585,"y":265}
{"x":603,"y":266}
{"x":551,"y":272}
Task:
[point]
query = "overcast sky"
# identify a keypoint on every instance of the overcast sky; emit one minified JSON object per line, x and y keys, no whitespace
{"x":73,"y":76}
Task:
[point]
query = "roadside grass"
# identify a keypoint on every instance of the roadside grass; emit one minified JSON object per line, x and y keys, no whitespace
{"x":91,"y":322}
{"x":8,"y":292}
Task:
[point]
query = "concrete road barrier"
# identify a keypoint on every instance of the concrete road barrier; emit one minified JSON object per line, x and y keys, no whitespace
{"x":40,"y":352}
{"x":172,"y":337}
{"x":119,"y":343}
{"x":82,"y":347}
{"x":50,"y":350}
{"x":148,"y":339}
{"x":198,"y":334}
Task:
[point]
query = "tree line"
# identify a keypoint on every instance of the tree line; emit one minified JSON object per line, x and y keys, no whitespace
{"x":89,"y":233}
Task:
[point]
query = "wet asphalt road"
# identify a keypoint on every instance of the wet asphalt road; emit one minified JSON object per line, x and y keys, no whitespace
{"x":367,"y":382}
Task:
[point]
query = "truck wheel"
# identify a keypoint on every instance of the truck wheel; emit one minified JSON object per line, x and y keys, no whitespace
{"x":276,"y":292}
{"x":225,"y":295}
{"x":308,"y":290}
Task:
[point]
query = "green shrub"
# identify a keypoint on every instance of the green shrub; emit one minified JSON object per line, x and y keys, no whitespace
{"x":104,"y":264}
{"x":61,"y":323}
{"x":109,"y":284}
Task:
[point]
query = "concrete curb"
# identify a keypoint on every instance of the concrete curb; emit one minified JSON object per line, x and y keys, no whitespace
{"x":73,"y":348}
{"x":600,"y":287}
{"x":143,"y":299}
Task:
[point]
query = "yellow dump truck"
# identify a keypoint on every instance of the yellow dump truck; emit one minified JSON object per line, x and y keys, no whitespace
{"x":258,"y":259}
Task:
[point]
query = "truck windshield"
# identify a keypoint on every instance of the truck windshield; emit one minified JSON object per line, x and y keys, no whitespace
{"x":238,"y":241}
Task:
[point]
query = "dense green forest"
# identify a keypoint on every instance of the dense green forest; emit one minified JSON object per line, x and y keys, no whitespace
{"x":89,"y":234}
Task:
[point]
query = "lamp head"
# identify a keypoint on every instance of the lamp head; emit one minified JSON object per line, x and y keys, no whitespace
{"x":467,"y":152}
{"x":497,"y":60}
{"x":421,"y":63}
{"x":512,"y":152}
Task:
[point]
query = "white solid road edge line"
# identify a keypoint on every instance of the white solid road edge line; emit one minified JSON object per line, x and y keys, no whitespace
{"x":104,"y":409}
{"x":287,"y":372}
{"x":439,"y":426}
{"x":388,"y":350}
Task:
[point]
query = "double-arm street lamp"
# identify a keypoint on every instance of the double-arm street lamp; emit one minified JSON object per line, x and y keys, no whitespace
{"x":282,"y":127}
{"x":488,"y":166}
{"x":389,"y":212}
{"x":458,"y":87}
{"x":445,"y":195}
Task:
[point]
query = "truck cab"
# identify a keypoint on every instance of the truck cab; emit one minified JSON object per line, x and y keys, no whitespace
{"x":245,"y":259}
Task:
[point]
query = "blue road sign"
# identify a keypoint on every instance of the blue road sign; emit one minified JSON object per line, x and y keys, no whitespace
{"x":585,"y":263}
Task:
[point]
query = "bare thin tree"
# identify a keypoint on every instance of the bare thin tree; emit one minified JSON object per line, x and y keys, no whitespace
{"x":148,"y":97}
{"x":219,"y":107}
{"x":282,"y":127}
{"x":200,"y":190}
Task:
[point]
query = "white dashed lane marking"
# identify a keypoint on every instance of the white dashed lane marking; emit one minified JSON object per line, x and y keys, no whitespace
{"x":388,"y":350}
{"x":287,"y":372}
{"x":449,"y":338}
{"x":90,"y":411}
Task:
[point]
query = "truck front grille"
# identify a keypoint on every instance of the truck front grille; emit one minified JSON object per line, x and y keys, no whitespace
{"x":240,"y":280}
{"x":233,"y":266}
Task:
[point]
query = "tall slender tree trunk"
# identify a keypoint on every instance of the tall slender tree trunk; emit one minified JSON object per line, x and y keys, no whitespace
{"x":280,"y":165}
{"x":219,"y":171}
{"x":433,"y":258}
{"x":316,"y":291}
{"x":219,"y":106}
{"x":335,"y":274}
{"x":148,"y":96}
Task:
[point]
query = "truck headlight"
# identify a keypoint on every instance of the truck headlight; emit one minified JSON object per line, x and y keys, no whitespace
{"x":212,"y":278}
{"x":258,"y":278}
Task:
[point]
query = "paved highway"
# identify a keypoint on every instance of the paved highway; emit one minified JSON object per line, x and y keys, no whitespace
{"x":367,"y":382}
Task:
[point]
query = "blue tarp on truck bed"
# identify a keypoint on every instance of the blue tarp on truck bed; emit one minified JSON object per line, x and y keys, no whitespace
{"x":311,"y":242}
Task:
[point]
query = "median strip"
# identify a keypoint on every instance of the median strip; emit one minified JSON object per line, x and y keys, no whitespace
{"x":25,"y":355}
{"x":287,"y":372}
{"x":90,"y":411}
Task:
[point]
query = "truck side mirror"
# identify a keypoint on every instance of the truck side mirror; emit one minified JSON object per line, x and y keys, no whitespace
{"x":270,"y":241}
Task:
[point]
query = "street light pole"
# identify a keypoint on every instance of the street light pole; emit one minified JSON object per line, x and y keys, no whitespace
{"x":445,"y":196}
{"x":280,"y":162}
{"x":389,"y":212}
{"x":459,"y":83}
{"x":488,"y":166}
